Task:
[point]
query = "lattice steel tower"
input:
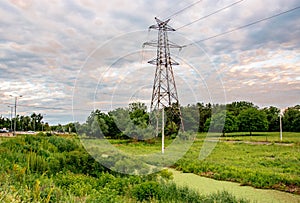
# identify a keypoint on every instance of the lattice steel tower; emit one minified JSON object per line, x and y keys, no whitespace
{"x":164,"y":92}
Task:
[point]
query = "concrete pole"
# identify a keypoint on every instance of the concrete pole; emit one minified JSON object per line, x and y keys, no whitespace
{"x":11,"y":112}
{"x":15,"y":121}
{"x":163,"y":131}
{"x":280,"y":125}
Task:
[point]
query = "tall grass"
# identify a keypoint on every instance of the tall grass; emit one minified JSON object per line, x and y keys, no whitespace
{"x":262,"y":166}
{"x":46,"y":169}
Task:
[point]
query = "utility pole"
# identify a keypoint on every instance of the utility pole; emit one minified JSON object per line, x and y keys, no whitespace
{"x":11,"y":112}
{"x":34,"y":123}
{"x":280,"y":124}
{"x":163,"y":132}
{"x":15,"y":121}
{"x":164,"y":93}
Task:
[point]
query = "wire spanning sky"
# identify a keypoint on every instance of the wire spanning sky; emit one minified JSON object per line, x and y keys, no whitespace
{"x":51,"y":53}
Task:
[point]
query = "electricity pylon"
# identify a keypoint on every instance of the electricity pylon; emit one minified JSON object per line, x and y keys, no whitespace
{"x":164,"y":93}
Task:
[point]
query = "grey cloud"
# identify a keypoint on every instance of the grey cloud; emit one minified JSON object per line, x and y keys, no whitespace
{"x":54,"y":40}
{"x":73,"y":6}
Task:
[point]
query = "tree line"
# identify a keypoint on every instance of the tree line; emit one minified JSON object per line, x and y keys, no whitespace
{"x":134,"y":121}
{"x":34,"y":122}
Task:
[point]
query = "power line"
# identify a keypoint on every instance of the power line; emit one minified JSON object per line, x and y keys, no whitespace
{"x":41,"y":107}
{"x":56,"y":108}
{"x":244,"y":26}
{"x":112,"y":95}
{"x":185,"y":8}
{"x":215,"y":12}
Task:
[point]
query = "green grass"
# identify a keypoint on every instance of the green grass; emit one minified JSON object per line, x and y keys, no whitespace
{"x":139,"y":148}
{"x":51,"y":169}
{"x":38,"y":168}
{"x":262,"y":166}
{"x":249,"y":162}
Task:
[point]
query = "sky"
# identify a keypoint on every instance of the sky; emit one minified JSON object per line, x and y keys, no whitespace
{"x":67,"y":58}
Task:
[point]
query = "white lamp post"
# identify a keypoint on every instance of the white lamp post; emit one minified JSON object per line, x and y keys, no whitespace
{"x":15,"y":121}
{"x":11,"y":112}
{"x":280,"y":123}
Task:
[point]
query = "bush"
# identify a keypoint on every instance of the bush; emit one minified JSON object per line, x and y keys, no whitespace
{"x":40,"y":134}
{"x":223,"y":197}
{"x":36,"y":163}
{"x":147,"y":191}
{"x":48,"y":134}
{"x":63,"y":144}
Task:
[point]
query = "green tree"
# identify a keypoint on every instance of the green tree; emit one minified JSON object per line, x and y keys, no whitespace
{"x":70,"y":127}
{"x":138,"y":114}
{"x":223,"y":121}
{"x":100,"y":124}
{"x":26,"y":122}
{"x":137,"y":127}
{"x":4,"y":122}
{"x":47,"y":127}
{"x":60,"y":128}
{"x":291,"y":119}
{"x":121,"y":118}
{"x":204,"y":114}
{"x":95,"y":127}
{"x":252,"y":120}
{"x":33,"y":121}
{"x":190,"y":116}
{"x":236,"y":107}
{"x":273,"y":118}
{"x":172,"y":120}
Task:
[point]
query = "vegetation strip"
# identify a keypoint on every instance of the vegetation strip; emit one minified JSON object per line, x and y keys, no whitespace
{"x":47,"y":168}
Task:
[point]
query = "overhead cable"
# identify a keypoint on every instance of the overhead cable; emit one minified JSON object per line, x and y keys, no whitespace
{"x":245,"y":26}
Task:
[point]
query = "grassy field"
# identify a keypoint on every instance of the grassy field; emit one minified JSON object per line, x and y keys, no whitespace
{"x":40,"y":168}
{"x":255,"y":163}
{"x":248,"y":160}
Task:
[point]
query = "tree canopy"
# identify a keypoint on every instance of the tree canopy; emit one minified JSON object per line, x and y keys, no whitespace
{"x":252,"y":120}
{"x":136,"y":120}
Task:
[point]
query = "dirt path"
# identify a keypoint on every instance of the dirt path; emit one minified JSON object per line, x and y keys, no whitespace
{"x":6,"y":135}
{"x":258,"y":142}
{"x":252,"y":142}
{"x":208,"y":186}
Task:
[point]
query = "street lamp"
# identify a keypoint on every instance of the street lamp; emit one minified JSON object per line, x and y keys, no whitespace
{"x":280,"y":123}
{"x":15,"y":121}
{"x":43,"y":123}
{"x":11,"y":112}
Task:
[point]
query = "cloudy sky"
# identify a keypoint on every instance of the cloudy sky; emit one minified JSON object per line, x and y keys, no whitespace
{"x":67,"y":57}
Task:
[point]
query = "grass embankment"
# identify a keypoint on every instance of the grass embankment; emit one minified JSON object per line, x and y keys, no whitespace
{"x":37,"y":168}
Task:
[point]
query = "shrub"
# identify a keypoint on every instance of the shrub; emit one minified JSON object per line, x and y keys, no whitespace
{"x":36,"y":163}
{"x":63,"y":144}
{"x":223,"y":197}
{"x":147,"y":191}
{"x":40,"y":134}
